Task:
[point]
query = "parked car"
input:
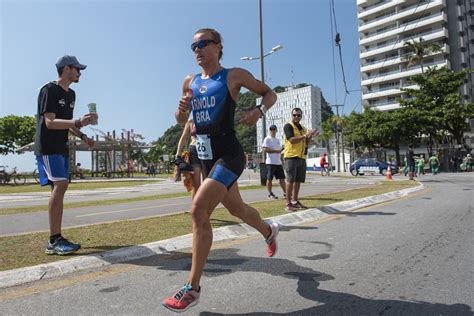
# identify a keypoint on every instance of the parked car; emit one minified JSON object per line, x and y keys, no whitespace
{"x":371,"y":165}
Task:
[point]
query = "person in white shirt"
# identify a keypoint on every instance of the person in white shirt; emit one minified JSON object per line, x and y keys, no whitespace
{"x":272,"y":148}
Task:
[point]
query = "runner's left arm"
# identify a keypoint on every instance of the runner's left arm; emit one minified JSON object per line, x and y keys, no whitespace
{"x":242,"y":78}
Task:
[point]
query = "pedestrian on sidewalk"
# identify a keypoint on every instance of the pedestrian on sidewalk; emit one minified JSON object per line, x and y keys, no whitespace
{"x":211,"y":96}
{"x":420,"y":166}
{"x":323,"y":165}
{"x":272,"y":148}
{"x":297,"y":139}
{"x":434,"y":164}
{"x":410,"y":155}
{"x":54,"y":121}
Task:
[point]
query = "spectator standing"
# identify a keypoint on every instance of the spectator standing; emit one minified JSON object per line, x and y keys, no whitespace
{"x":296,"y":148}
{"x":79,"y":170}
{"x":272,"y":148}
{"x":54,"y":121}
{"x":323,"y":164}
{"x":410,"y":155}
{"x":131,"y":167}
{"x":434,"y":164}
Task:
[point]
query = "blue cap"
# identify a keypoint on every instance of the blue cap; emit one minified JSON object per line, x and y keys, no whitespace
{"x":68,"y":60}
{"x":272,"y":127}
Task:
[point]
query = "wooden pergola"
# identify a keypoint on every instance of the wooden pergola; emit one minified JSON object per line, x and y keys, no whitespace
{"x":108,"y":155}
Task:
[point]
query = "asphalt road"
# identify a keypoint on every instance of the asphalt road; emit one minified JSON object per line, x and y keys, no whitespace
{"x":38,"y":221}
{"x":413,"y":256}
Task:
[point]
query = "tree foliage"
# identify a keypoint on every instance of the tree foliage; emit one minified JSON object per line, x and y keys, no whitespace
{"x":437,"y":105}
{"x":326,"y":110}
{"x":247,"y":135}
{"x":375,"y":129}
{"x":420,"y":50}
{"x":166,"y":144}
{"x":16,"y":131}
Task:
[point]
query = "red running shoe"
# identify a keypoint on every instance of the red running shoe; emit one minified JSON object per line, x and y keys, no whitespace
{"x":184,"y":299}
{"x":271,"y":240}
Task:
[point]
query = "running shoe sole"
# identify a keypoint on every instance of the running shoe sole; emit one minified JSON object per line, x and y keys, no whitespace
{"x":181,"y":310}
{"x":60,"y":253}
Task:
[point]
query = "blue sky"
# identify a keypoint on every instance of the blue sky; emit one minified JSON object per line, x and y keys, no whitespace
{"x":138,"y":53}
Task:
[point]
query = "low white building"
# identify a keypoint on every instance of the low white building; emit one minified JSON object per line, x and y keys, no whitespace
{"x":308,"y":99}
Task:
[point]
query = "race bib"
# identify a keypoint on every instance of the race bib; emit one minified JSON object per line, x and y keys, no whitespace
{"x":203,"y":147}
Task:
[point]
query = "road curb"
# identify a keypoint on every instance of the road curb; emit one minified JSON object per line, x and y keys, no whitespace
{"x":20,"y":276}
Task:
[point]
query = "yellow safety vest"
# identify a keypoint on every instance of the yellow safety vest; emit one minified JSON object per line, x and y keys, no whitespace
{"x":298,"y":149}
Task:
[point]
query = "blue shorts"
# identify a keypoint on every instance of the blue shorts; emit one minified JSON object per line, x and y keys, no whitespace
{"x":52,"y":168}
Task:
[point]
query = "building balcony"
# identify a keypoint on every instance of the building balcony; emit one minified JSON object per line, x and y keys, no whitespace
{"x":379,"y":104}
{"x":390,"y":76}
{"x":399,"y":44}
{"x":395,"y":60}
{"x":393,"y":31}
{"x":389,"y":106}
{"x":385,"y":92}
{"x":378,"y":7}
{"x":430,"y":5}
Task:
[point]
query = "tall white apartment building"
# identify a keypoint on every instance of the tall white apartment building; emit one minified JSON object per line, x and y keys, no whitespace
{"x":385,"y":26}
{"x":308,"y":99}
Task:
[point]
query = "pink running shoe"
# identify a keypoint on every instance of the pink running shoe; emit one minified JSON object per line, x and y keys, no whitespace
{"x":184,"y":299}
{"x":271,"y":240}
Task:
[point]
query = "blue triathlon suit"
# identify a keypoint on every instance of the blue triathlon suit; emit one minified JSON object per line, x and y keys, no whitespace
{"x":213,"y":109}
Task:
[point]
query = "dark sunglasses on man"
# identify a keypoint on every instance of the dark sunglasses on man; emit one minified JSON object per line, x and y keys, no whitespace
{"x":201,"y":44}
{"x":296,"y":115}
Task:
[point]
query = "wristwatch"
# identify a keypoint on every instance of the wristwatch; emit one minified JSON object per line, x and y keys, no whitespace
{"x":262,"y":108}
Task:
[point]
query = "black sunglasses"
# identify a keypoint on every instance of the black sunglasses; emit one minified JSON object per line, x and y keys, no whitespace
{"x":296,"y":115}
{"x":201,"y":44}
{"x":273,"y":129}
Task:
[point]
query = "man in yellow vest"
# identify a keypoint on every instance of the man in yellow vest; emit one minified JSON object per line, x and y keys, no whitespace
{"x":294,"y":154}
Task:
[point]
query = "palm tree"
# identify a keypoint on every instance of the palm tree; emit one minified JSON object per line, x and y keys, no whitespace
{"x":420,"y":50}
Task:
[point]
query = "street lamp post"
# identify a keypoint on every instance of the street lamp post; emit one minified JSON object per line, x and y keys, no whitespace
{"x":262,"y":56}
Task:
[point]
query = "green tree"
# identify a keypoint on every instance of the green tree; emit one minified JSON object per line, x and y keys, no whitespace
{"x":420,"y":50}
{"x":16,"y":131}
{"x":165,"y":145}
{"x":327,"y":132}
{"x":279,"y":89}
{"x":438,"y":106}
{"x":247,"y":135}
{"x":326,"y":110}
{"x":375,"y":129}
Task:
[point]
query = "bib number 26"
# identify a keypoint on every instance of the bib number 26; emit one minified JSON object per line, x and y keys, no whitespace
{"x":203,"y":147}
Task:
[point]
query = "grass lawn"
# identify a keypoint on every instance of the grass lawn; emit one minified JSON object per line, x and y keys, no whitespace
{"x":27,"y":250}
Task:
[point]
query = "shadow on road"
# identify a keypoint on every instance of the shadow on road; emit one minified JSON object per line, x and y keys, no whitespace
{"x":224,"y":261}
{"x":334,"y":211}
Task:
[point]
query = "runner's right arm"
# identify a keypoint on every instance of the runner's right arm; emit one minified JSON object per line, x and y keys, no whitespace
{"x":183,"y":139}
{"x":184,"y":106}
